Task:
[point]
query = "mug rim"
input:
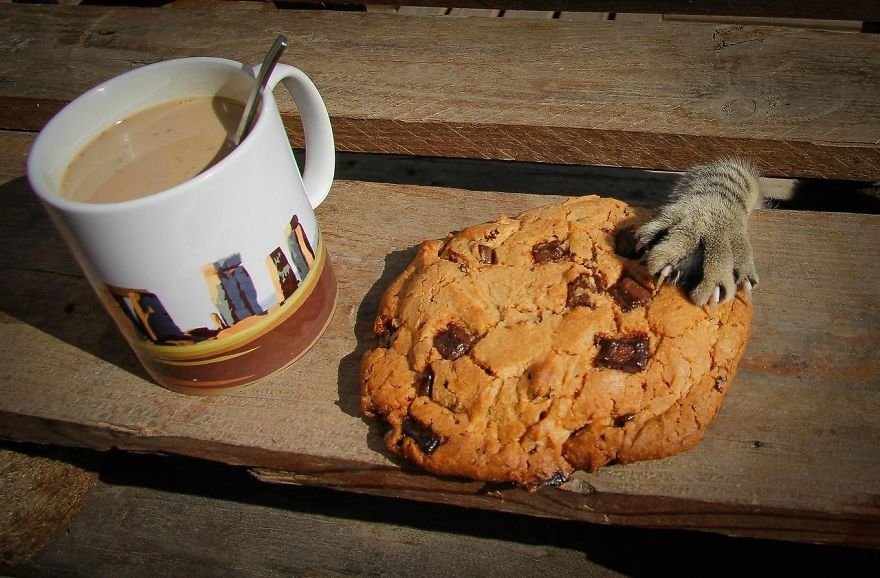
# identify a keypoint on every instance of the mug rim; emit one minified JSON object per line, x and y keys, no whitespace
{"x":47,"y":195}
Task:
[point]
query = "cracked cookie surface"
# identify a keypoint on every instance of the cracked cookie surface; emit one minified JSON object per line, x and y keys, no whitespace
{"x":522,"y":349}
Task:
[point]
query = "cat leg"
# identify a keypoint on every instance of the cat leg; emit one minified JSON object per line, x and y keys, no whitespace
{"x":699,"y":239}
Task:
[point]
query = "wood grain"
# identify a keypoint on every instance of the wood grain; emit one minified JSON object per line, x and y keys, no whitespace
{"x":852,"y":10}
{"x":221,"y":522}
{"x":255,"y":540}
{"x":792,"y":455}
{"x":842,"y":25}
{"x":152,"y":515}
{"x":799,"y":103}
{"x":472,"y":13}
{"x":39,"y":495}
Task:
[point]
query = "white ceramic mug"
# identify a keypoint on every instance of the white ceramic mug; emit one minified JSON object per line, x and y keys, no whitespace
{"x":220,"y":280}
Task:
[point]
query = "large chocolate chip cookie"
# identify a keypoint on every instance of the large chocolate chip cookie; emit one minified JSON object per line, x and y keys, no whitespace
{"x":522,"y":349}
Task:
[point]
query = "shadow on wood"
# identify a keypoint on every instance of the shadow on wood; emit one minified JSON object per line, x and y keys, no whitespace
{"x":349,"y":366}
{"x":66,"y":308}
{"x":223,"y":518}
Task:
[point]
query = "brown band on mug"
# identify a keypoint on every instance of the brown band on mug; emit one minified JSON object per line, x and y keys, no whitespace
{"x":284,"y":340}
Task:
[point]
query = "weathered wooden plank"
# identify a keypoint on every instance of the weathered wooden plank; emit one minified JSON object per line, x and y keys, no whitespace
{"x":665,"y":96}
{"x":529,"y":14}
{"x":421,"y":11}
{"x":584,"y":16}
{"x":383,"y":9}
{"x":837,"y":25}
{"x":852,"y":10}
{"x":38,"y":497}
{"x":472,"y":12}
{"x":792,"y":455}
{"x":213,"y":4}
{"x":198,"y":520}
{"x":153,"y":515}
{"x":640,"y":17}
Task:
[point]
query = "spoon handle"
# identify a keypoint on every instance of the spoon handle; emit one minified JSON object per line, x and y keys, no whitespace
{"x":255,"y":97}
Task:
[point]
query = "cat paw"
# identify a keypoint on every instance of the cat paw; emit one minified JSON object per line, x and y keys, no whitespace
{"x":699,"y":241}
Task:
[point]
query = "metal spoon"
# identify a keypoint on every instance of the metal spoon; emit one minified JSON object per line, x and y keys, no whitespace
{"x":256,"y":95}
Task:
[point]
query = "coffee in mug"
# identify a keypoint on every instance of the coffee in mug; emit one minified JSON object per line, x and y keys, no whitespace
{"x":216,"y":272}
{"x":153,"y":150}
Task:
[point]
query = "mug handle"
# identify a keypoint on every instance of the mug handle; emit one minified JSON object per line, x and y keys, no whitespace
{"x":317,"y":174}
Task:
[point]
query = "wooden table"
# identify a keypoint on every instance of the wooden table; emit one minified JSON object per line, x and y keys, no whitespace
{"x":794,"y":453}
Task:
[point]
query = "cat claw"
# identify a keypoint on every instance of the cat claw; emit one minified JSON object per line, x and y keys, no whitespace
{"x":714,"y":299}
{"x":747,"y":290}
{"x":661,"y":277}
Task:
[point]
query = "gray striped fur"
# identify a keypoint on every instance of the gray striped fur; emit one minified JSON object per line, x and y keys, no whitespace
{"x":701,"y":233}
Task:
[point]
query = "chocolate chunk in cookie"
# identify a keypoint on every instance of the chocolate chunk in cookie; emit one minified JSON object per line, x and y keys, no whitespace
{"x":487,"y":255}
{"x":629,"y":354}
{"x":456,"y":257}
{"x":549,"y":252}
{"x":425,"y":383}
{"x":426,"y":439}
{"x":628,"y":294}
{"x":453,"y":341}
